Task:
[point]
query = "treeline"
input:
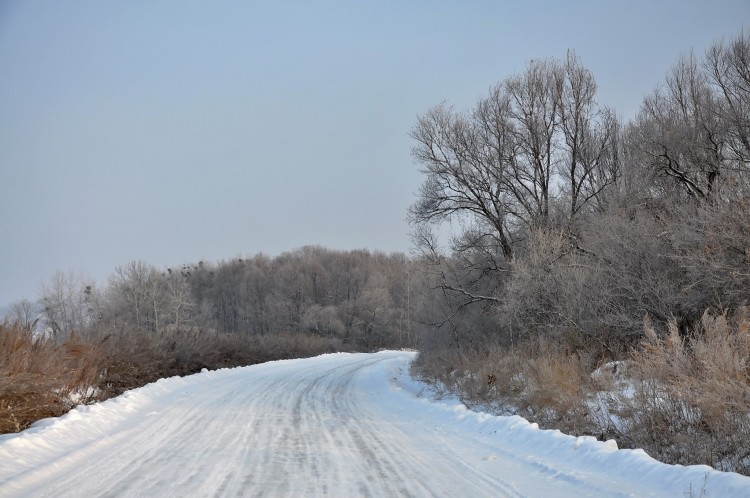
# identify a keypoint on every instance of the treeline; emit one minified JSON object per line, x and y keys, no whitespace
{"x":362,"y":299}
{"x":578,"y":233}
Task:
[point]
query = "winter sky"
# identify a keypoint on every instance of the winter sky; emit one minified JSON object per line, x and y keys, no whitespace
{"x":173,"y":132}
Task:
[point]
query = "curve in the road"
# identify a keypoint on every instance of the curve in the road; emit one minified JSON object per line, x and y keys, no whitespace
{"x":335,"y":425}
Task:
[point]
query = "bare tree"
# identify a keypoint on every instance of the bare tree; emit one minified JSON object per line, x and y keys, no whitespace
{"x":68,"y":304}
{"x":179,"y":304}
{"x":133,"y":294}
{"x":534,"y":103}
{"x":25,"y":313}
{"x":681,"y":133}
{"x":589,"y":161}
{"x":466,"y":162}
{"x":498,"y":171}
{"x":728,"y":68}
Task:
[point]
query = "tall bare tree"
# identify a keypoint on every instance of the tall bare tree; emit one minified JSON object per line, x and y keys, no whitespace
{"x":536,"y":142}
{"x":25,"y":313}
{"x":694,"y":128}
{"x":466,"y":163}
{"x":134,"y":296}
{"x":589,"y":161}
{"x":68,"y":304}
{"x":728,"y":68}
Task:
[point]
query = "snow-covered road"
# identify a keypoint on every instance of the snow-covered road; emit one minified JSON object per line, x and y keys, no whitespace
{"x":336,"y":425}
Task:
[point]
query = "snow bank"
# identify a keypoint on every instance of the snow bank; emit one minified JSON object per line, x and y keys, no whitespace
{"x":585,"y":452}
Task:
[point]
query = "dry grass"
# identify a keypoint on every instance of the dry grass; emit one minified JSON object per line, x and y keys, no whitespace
{"x":545,"y":385}
{"x":693,"y":405}
{"x":687,"y":399}
{"x":39,"y":377}
{"x":559,"y":391}
{"x":135,"y":359}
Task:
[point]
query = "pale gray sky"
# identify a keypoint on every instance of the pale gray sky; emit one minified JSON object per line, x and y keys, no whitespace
{"x":178,"y":131}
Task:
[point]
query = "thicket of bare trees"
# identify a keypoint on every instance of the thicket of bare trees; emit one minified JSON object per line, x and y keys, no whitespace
{"x":574,"y":225}
{"x":576,"y":229}
{"x":364,"y":300}
{"x":519,"y":173}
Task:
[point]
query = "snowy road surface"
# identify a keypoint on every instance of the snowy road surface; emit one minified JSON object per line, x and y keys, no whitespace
{"x":336,"y":425}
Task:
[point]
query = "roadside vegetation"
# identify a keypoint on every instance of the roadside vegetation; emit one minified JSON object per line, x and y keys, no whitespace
{"x":600,"y":278}
{"x":596,"y":280}
{"x":43,"y":377}
{"x":683,"y":399}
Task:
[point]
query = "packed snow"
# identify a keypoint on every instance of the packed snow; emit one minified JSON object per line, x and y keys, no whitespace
{"x":334,"y":425}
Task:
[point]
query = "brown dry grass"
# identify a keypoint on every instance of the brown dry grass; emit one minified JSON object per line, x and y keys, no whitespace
{"x":690,"y":399}
{"x":559,"y":390}
{"x":38,"y":375}
{"x":693,"y":405}
{"x":135,"y":359}
{"x":544,"y":384}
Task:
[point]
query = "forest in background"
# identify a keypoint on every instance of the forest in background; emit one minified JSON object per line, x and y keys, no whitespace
{"x":596,"y":279}
{"x":357,"y":298}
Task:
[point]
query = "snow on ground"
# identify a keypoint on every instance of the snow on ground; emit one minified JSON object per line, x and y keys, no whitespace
{"x":335,"y":425}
